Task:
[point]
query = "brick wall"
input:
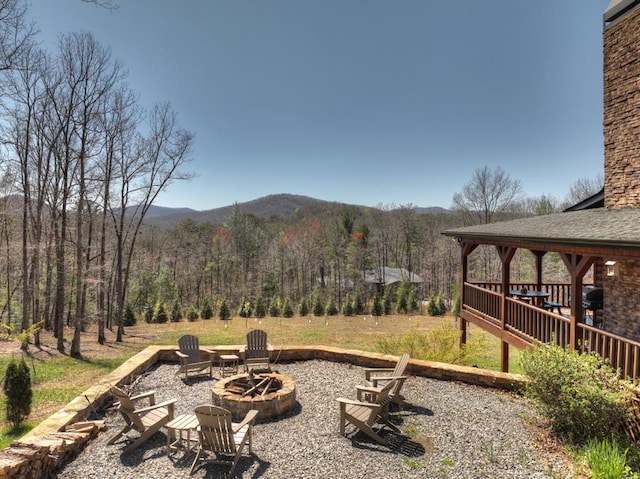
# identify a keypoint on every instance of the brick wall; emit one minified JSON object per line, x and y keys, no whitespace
{"x":622,"y":112}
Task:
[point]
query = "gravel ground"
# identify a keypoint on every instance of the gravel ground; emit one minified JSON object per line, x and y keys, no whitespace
{"x":451,"y":430}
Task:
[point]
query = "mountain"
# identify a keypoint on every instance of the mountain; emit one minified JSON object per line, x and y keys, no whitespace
{"x":282,"y":205}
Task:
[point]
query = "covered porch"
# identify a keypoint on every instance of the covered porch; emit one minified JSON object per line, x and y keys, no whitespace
{"x":585,"y":241}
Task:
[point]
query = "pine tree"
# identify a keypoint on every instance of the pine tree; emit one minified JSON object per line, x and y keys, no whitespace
{"x":17,"y":388}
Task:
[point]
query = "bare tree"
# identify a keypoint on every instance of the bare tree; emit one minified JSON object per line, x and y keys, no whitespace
{"x":488,"y":195}
{"x":142,"y":170}
{"x":583,"y":188}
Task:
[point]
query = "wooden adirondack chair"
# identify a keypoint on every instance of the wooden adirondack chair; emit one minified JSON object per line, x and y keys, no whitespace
{"x":365,"y":415}
{"x":221,"y":437}
{"x":145,"y":420}
{"x":376,"y":378}
{"x":191,"y":357}
{"x":370,"y":393}
{"x":257,"y":352}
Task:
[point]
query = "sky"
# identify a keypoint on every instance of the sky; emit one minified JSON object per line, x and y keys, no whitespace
{"x":371,"y":102}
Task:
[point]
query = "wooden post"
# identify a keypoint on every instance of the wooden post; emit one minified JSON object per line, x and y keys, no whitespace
{"x":506,"y":255}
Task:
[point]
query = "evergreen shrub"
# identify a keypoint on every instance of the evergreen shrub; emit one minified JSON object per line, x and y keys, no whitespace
{"x":17,"y":388}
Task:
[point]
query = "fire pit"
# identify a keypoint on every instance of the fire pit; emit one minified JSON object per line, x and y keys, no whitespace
{"x":272,"y":394}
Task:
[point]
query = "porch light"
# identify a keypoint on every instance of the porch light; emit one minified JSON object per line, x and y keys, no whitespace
{"x":612,"y":268}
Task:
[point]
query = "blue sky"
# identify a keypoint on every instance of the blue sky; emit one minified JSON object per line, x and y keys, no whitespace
{"x":370,"y":102}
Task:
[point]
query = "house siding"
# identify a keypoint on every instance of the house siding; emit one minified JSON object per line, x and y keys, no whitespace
{"x":622,"y":112}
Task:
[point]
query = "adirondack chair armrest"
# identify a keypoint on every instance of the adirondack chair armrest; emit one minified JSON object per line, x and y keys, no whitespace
{"x":353,"y":402}
{"x":210,"y":352}
{"x":248,"y":419}
{"x":181,"y":355}
{"x":371,"y":372}
{"x":169,"y":404}
{"x":376,"y":379}
{"x":148,"y":394}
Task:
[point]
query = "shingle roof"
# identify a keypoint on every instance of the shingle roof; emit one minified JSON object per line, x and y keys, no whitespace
{"x":617,"y":229}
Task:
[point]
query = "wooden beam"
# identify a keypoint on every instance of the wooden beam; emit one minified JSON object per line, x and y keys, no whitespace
{"x":577,"y":265}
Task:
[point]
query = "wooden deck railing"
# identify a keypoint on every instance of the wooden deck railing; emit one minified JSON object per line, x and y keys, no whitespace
{"x":533,"y":324}
{"x":558,"y":292}
{"x":622,"y":353}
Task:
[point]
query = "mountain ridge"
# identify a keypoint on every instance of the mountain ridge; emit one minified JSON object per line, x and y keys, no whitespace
{"x":281,"y":204}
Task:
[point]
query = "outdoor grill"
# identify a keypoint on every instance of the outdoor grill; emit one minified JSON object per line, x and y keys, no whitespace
{"x":592,"y":298}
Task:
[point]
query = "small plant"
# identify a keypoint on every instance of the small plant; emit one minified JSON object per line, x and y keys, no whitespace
{"x":176,"y":312}
{"x":129,"y":316}
{"x":376,"y":305}
{"x":287,"y":309}
{"x":224,"y":313}
{"x":332,"y":308}
{"x":207,"y":310}
{"x":347,"y":308}
{"x":17,"y":388}
{"x":261,"y":311}
{"x":274,"y":307}
{"x":607,"y":460}
{"x":192,"y":314}
{"x":303,"y":307}
{"x":160,"y":315}
{"x":245,"y":310}
{"x":318,"y":307}
{"x":148,"y":314}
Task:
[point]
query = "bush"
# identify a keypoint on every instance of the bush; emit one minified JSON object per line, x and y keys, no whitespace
{"x":245,"y":310}
{"x":436,"y":305}
{"x":148,"y":314}
{"x":207,"y":310}
{"x":261,"y":312}
{"x":303,"y":307}
{"x":192,"y":314}
{"x":580,"y":394}
{"x":376,"y":305}
{"x":332,"y":308}
{"x":318,"y":307}
{"x":274,"y":308}
{"x":17,"y":388}
{"x":160,"y":315}
{"x":224,"y":312}
{"x":441,"y":344}
{"x":347,"y":308}
{"x":129,"y":316}
{"x":287,"y":309}
{"x":176,"y":311}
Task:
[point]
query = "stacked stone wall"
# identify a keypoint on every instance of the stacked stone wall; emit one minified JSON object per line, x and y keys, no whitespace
{"x":622,"y":112}
{"x":622,"y":301}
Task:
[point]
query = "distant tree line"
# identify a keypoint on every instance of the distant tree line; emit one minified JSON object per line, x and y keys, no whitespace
{"x":82,"y":162}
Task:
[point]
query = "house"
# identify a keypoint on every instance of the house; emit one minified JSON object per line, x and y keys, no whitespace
{"x":598,"y":239}
{"x":387,"y":276}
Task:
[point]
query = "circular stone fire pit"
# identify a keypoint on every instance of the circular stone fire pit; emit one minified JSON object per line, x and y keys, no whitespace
{"x":272,"y":394}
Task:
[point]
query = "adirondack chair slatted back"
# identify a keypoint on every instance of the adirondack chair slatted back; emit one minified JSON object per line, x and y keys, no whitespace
{"x":190,"y":346}
{"x":256,"y":344}
{"x":401,"y":365}
{"x":126,"y":409}
{"x":216,"y":432}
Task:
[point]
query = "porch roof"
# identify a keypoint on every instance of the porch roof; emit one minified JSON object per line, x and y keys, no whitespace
{"x":593,"y":230}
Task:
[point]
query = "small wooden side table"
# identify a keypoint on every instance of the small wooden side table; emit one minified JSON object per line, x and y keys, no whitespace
{"x":228,"y":364}
{"x":176,"y":429}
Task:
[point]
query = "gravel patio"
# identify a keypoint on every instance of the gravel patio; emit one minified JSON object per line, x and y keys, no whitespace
{"x":451,"y":430}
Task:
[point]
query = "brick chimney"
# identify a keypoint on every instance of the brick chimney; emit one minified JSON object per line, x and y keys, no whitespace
{"x":622,"y":104}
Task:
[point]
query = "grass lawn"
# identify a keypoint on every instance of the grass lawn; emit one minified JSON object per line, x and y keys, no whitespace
{"x":57,"y":378}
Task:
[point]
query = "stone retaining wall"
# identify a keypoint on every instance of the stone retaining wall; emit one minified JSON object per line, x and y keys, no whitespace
{"x":62,"y":435}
